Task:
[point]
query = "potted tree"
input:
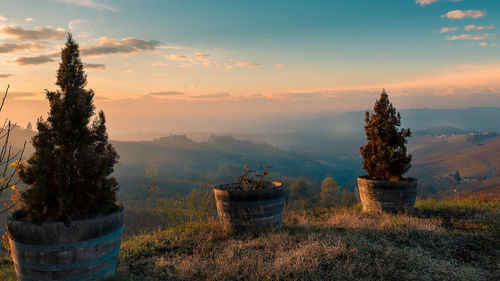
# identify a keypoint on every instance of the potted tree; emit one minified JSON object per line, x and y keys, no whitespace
{"x":251,"y":203}
{"x":386,"y":160}
{"x":69,"y":225}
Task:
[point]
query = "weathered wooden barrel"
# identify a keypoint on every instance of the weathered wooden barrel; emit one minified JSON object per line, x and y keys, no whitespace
{"x":258,"y":209}
{"x":84,"y":250}
{"x":387,"y":196}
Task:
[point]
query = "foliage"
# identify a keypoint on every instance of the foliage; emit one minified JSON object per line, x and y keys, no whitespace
{"x":304,"y":193}
{"x":385,"y":156}
{"x":7,"y":180}
{"x":197,"y":206}
{"x":69,"y":172}
{"x":330,"y":192}
{"x":250,"y":180}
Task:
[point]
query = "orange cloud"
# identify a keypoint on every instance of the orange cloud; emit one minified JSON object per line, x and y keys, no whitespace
{"x":33,"y":34}
{"x":459,"y":14}
{"x":176,"y":57}
{"x":246,"y":64}
{"x":447,"y":29}
{"x":472,"y":37}
{"x":478,"y":27}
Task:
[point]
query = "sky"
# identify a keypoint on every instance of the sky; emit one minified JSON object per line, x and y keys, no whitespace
{"x":184,"y":65}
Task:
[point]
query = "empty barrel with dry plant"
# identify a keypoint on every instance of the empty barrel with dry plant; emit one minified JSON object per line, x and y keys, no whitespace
{"x":251,"y":203}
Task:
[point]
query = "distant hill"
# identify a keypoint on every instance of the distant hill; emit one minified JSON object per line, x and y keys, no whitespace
{"x":476,"y":161}
{"x":471,"y":119}
{"x":177,"y":161}
{"x":439,"y":131}
{"x":221,"y":154}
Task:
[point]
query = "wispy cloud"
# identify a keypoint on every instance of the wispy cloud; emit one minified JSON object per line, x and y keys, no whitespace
{"x":2,"y":18}
{"x":425,"y":2}
{"x":176,"y":57}
{"x":472,"y":37}
{"x":97,"y":66}
{"x":94,"y":4}
{"x":73,"y":23}
{"x":109,"y":46}
{"x":302,"y":95}
{"x":165,"y":94}
{"x":200,"y":55}
{"x":197,"y":58}
{"x":14,"y":47}
{"x":459,"y":14}
{"x":478,"y":27}
{"x":483,"y":44}
{"x":25,"y":96}
{"x":28,"y":19}
{"x":428,"y":2}
{"x":34,"y":34}
{"x":6,"y":75}
{"x":212,"y":96}
{"x":40,"y":59}
{"x":448,"y":29}
{"x":280,"y":65}
{"x":246,"y":64}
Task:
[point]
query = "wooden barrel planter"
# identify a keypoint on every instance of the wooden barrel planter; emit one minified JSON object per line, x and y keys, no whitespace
{"x":84,"y":250}
{"x":387,"y":196}
{"x":258,"y":209}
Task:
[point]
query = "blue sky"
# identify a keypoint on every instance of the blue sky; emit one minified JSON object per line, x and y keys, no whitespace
{"x":327,"y":55}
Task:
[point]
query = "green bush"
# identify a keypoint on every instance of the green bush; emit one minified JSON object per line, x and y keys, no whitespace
{"x":69,"y":172}
{"x":385,"y":155}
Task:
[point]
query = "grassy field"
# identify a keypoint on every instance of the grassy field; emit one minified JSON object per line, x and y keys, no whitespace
{"x":441,"y":240}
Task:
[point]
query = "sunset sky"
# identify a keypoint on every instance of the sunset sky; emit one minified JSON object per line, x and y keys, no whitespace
{"x":187,"y":65}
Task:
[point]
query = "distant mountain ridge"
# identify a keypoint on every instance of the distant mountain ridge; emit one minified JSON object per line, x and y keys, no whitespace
{"x":473,"y":119}
{"x":326,"y":123}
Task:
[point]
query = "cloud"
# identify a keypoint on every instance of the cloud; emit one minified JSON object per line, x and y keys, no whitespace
{"x":94,"y":4}
{"x":73,"y":23}
{"x":483,"y":44}
{"x":301,"y":95}
{"x":2,"y":18}
{"x":200,"y":55}
{"x":425,"y":2}
{"x":212,"y":96}
{"x":14,"y":47}
{"x":6,"y":75}
{"x":165,"y":94}
{"x":26,"y":96}
{"x":428,"y":2}
{"x":448,"y":29}
{"x":459,"y":14}
{"x":34,"y":34}
{"x":280,"y":65}
{"x":97,"y":66}
{"x":33,"y":60}
{"x":109,"y":46}
{"x":175,"y":57}
{"x":472,"y":37}
{"x":246,"y":64}
{"x":28,"y":19}
{"x":478,"y":27}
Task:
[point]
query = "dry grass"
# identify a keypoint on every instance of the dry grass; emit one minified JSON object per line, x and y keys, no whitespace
{"x":442,"y":240}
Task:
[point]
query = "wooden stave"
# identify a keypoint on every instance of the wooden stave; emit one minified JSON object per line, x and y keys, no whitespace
{"x":387,"y":196}
{"x":92,"y":261}
{"x":234,"y":212}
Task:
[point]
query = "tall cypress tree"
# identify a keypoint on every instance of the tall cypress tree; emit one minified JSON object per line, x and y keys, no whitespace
{"x":69,"y":172}
{"x":385,"y":156}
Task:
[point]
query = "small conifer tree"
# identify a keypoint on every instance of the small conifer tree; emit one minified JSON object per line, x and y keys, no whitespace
{"x":385,"y":156}
{"x":69,"y":172}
